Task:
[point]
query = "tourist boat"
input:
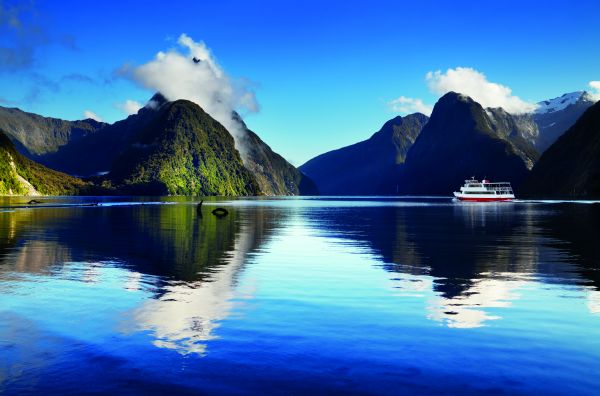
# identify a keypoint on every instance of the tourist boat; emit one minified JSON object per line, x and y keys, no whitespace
{"x":485,"y":191}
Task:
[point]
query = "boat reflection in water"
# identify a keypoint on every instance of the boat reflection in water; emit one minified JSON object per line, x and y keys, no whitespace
{"x":477,"y":263}
{"x":301,"y":296}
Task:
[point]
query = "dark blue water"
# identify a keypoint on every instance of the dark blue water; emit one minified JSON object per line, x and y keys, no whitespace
{"x":300,"y":296}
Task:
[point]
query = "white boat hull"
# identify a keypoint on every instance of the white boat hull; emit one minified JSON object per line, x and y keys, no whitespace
{"x":484,"y":197}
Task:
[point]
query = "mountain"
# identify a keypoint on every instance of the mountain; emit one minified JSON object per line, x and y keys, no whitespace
{"x":95,"y":153}
{"x":518,"y":130}
{"x":571,"y":166}
{"x":36,"y":135}
{"x":461,"y":140}
{"x":270,"y":173}
{"x":274,"y":174}
{"x":22,"y":176}
{"x":103,"y":148}
{"x":553,"y":117}
{"x":178,"y":149}
{"x":369,"y":167}
{"x":372,"y":166}
{"x":547,"y":123}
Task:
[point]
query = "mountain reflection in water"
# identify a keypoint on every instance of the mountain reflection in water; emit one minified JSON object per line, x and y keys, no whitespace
{"x":188,"y":262}
{"x":475,"y":256}
{"x":328,"y":295}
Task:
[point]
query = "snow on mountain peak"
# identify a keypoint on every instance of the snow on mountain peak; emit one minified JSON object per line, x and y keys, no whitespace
{"x":562,"y":102}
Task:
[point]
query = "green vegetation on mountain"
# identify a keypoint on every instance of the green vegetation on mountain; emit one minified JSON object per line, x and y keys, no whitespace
{"x":22,"y":176}
{"x":180,"y":150}
{"x":163,"y":149}
{"x":571,"y":166}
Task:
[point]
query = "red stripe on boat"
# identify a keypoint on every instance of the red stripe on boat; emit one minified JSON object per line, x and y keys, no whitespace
{"x":484,"y":199}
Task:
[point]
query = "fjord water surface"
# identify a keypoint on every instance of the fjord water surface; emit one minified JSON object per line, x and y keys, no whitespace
{"x":300,"y":296}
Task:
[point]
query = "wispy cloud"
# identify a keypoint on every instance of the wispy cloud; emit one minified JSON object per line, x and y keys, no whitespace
{"x":191,"y":72}
{"x":92,"y":115}
{"x":130,"y":106}
{"x":22,"y":35}
{"x":595,"y":89}
{"x":468,"y":81}
{"x":78,"y":77}
{"x":475,"y":84}
{"x":405,"y":105}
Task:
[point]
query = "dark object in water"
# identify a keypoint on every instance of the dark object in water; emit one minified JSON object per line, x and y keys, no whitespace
{"x":34,"y":201}
{"x":199,"y":208}
{"x":220,"y":212}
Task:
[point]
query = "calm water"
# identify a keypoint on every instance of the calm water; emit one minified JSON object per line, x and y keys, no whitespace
{"x":301,"y":296}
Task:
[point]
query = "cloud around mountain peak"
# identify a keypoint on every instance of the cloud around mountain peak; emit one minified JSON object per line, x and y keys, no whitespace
{"x":190,"y":71}
{"x":475,"y":84}
{"x":595,"y":89}
{"x":467,"y":81}
{"x":405,"y":105}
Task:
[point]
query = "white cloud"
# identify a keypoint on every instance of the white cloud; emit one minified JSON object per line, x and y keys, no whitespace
{"x":191,"y":72}
{"x":595,"y":86}
{"x":406,"y":105}
{"x":130,"y":106}
{"x":90,"y":114}
{"x":475,"y":84}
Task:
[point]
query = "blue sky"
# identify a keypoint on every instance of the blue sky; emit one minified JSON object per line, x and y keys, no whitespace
{"x":323,"y":74}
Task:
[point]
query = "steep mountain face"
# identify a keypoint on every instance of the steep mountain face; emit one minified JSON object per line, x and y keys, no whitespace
{"x":369,"y":167}
{"x":520,"y":130}
{"x":107,"y":148}
{"x":274,"y":174}
{"x":541,"y":128}
{"x":22,"y":176}
{"x":179,"y":149}
{"x":555,"y":116}
{"x":95,"y":153}
{"x":460,"y":140}
{"x":37,"y":136}
{"x":571,"y":166}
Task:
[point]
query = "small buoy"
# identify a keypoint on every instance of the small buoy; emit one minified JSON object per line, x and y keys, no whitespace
{"x":220,"y":212}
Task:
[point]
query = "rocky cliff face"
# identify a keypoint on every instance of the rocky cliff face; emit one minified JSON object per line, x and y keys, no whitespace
{"x":541,"y":128}
{"x":571,"y":166}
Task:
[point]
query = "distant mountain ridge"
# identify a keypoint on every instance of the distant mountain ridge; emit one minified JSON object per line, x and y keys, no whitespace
{"x":369,"y":167}
{"x":571,"y":166}
{"x":555,"y":116}
{"x":177,"y":148}
{"x":38,"y":135}
{"x":551,"y":119}
{"x":359,"y":169}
